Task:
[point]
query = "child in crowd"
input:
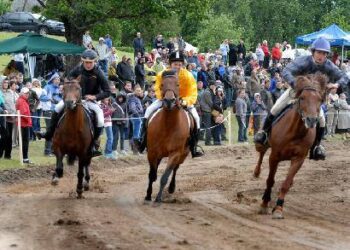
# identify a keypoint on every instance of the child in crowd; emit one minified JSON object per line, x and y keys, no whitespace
{"x":106,"y":106}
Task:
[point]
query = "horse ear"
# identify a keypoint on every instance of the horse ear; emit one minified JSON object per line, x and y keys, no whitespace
{"x":301,"y":82}
{"x":78,"y":79}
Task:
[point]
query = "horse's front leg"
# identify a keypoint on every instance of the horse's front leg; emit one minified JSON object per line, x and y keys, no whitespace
{"x":172,"y":184}
{"x":163,"y":182}
{"x":152,"y":177}
{"x":59,"y":169}
{"x":80,"y":179}
{"x":273,"y":164}
{"x":277,"y":212}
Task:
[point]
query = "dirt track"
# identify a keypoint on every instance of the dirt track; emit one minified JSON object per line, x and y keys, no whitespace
{"x":214,"y":207}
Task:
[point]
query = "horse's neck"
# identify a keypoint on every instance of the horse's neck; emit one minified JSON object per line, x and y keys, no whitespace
{"x":75,"y":117}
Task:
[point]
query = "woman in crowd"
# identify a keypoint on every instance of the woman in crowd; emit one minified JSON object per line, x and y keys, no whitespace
{"x":106,"y":106}
{"x":26,"y":122}
{"x":344,"y":117}
{"x":332,"y":111}
{"x":259,"y":112}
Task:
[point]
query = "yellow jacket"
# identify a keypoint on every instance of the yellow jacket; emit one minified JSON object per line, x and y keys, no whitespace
{"x":187,"y":87}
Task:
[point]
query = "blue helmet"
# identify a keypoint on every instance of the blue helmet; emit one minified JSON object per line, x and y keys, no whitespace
{"x":321,"y":44}
{"x":89,"y":55}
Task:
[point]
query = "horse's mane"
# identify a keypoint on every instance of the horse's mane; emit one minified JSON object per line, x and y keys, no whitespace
{"x":317,"y":81}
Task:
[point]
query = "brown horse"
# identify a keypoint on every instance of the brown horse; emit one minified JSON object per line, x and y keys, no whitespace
{"x":292,"y":137}
{"x":167,"y":136}
{"x":73,"y":136}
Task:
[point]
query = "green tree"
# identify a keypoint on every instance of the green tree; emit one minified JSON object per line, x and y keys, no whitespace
{"x":339,"y":16}
{"x":215,"y":29}
{"x":4,"y":6}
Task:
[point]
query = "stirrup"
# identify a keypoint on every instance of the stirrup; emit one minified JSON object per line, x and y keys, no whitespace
{"x":197,"y":153}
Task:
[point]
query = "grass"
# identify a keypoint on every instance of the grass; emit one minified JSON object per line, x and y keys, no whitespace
{"x":5,"y":59}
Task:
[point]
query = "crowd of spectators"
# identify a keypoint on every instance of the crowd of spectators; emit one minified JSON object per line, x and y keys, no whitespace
{"x":246,"y":81}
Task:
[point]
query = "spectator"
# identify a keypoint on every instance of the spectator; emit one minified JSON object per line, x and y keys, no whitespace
{"x":206,"y":106}
{"x":170,"y":45}
{"x":34,"y":102}
{"x":278,"y":91}
{"x":38,"y":111}
{"x":140,"y":72}
{"x":241,"y":111}
{"x":266,"y":95}
{"x":26,"y":122}
{"x":138,"y":44}
{"x":19,"y":80}
{"x":87,"y":40}
{"x":232,"y":54}
{"x":332,"y":111}
{"x":3,"y":132}
{"x":259,"y":112}
{"x":260,"y":54}
{"x":203,"y":76}
{"x":51,"y":96}
{"x":119,"y":123}
{"x":108,"y":41}
{"x":158,"y":42}
{"x":10,"y":98}
{"x":265,"y":48}
{"x":241,"y":50}
{"x":344,"y":117}
{"x":136,"y":113}
{"x":113,"y":57}
{"x":124,"y":71}
{"x":106,"y":106}
{"x":13,"y":88}
{"x":224,"y":48}
{"x":150,"y":73}
{"x":19,"y":60}
{"x":218,"y":114}
{"x":149,"y":98}
{"x":103,"y":54}
{"x":276,"y":53}
{"x":253,"y":85}
{"x":158,"y":66}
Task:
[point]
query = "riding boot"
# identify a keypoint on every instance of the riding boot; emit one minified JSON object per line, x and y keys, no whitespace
{"x":317,"y":151}
{"x":141,"y":144}
{"x":261,"y":136}
{"x":96,"y":144}
{"x":193,"y":144}
{"x":50,"y":130}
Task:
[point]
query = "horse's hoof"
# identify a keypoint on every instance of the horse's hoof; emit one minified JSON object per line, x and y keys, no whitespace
{"x":263,"y":210}
{"x":157,"y":203}
{"x":86,"y":186}
{"x":256,"y":174}
{"x":80,"y":196}
{"x":277,"y":214}
{"x":54,"y":181}
{"x":147,"y":202}
{"x":171,"y":190}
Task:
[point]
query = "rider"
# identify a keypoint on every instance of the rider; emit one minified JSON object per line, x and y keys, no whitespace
{"x":317,"y":62}
{"x":94,"y":87}
{"x":188,"y":96}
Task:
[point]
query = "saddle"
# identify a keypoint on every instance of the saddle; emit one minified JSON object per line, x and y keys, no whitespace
{"x":282,"y":113}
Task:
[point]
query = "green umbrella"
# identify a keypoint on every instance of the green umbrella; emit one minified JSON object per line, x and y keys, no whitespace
{"x":33,"y":43}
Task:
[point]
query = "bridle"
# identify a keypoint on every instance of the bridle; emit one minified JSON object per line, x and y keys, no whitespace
{"x":173,"y":101}
{"x":300,"y":112}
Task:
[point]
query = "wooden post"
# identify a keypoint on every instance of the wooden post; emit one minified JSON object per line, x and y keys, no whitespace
{"x":229,"y":119}
{"x":20,"y":137}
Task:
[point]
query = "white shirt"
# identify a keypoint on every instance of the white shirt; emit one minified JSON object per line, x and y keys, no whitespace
{"x":102,"y":51}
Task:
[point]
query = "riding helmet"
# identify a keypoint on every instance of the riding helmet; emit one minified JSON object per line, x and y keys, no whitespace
{"x":176,"y":56}
{"x":89,"y":55}
{"x":321,"y":44}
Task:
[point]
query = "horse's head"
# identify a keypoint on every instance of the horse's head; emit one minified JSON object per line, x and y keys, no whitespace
{"x":310,"y":92}
{"x":71,"y":93}
{"x":170,"y":89}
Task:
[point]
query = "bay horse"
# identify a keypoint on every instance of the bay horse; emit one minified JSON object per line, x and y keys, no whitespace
{"x":73,"y":136}
{"x":168,"y":135}
{"x":292,"y":137}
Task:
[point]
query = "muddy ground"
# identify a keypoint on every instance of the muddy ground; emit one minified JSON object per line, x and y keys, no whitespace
{"x":215,"y":206}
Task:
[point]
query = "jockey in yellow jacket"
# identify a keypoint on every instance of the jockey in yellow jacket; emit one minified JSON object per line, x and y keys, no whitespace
{"x":188,"y":96}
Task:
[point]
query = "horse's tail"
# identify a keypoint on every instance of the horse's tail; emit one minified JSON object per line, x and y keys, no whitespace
{"x":71,"y":159}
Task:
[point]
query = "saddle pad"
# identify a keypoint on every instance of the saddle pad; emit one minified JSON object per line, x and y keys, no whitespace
{"x":154,"y":114}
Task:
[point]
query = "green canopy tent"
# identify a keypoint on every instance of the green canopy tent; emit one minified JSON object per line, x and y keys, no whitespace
{"x":30,"y":43}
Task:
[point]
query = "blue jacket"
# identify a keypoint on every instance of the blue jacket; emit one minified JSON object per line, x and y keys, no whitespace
{"x":306,"y":65}
{"x":53,"y":94}
{"x":135,"y":106}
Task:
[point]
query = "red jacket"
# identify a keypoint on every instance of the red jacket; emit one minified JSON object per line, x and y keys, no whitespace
{"x":265,"y":48}
{"x":23,"y":106}
{"x":276,"y":53}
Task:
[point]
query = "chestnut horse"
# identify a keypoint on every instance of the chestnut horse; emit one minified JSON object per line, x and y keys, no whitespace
{"x":292,"y":137}
{"x":73,"y":136}
{"x":167,"y":135}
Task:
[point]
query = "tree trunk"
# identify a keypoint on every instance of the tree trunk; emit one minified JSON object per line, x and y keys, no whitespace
{"x":75,"y":36}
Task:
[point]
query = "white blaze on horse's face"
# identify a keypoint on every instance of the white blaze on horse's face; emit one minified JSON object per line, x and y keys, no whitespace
{"x":309,"y":106}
